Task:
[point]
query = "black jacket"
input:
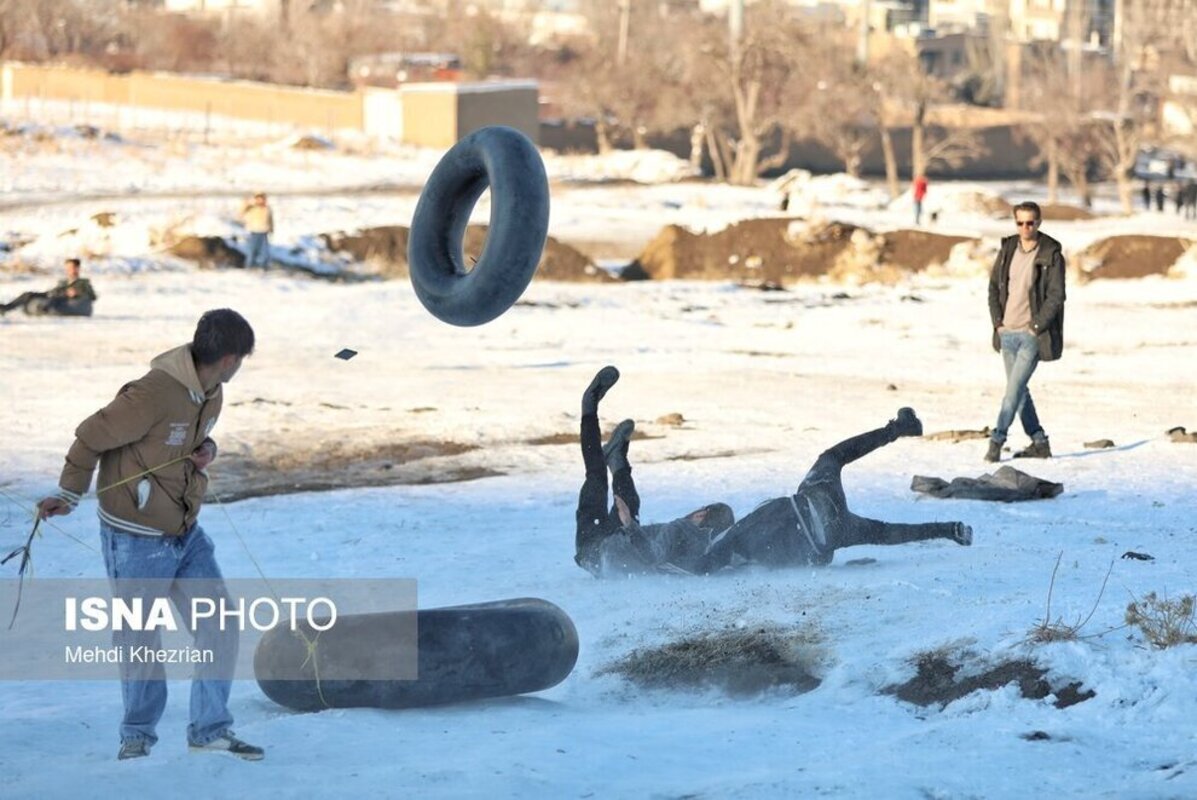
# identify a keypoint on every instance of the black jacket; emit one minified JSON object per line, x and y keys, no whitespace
{"x":1047,"y":294}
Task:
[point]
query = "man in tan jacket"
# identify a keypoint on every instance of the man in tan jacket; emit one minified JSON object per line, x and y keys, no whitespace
{"x":152,"y":444}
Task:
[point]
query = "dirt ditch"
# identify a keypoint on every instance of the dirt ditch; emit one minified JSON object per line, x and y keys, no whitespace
{"x":386,"y":248}
{"x":779,"y":251}
{"x":1132,"y":256}
{"x":937,"y":683}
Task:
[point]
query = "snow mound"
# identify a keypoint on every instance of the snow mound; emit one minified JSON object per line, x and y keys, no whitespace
{"x":639,"y":166}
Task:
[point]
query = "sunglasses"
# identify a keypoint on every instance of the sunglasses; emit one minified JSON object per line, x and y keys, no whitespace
{"x":1028,"y":223}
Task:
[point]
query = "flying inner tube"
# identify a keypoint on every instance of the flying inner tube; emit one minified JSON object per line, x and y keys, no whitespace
{"x":505,"y":160}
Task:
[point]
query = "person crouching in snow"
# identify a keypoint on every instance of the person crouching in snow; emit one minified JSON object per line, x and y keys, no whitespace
{"x":802,"y":529}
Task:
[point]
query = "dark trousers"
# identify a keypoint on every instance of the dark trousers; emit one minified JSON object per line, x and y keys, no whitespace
{"x":23,"y":299}
{"x":847,"y":529}
{"x":595,"y":519}
{"x":809,"y":526}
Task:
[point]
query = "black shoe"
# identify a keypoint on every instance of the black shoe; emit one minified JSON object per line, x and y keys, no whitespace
{"x":228,"y":743}
{"x":963,"y":535}
{"x":906,"y":423}
{"x":1039,"y":449}
{"x":994,"y":453}
{"x":615,"y":451}
{"x":604,"y":379}
{"x":133,"y":748}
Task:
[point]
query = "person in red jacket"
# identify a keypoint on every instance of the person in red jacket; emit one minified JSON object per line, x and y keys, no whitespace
{"x":919,"y":189}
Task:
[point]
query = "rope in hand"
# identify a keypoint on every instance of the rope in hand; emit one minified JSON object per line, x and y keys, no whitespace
{"x":26,"y":553}
{"x":26,"y":550}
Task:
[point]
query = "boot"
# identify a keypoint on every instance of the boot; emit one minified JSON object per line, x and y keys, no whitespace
{"x":615,"y":451}
{"x":228,"y":743}
{"x":994,"y":453}
{"x":906,"y":423}
{"x":604,"y":379}
{"x":963,"y":535}
{"x":133,"y":748}
{"x":1037,"y":449}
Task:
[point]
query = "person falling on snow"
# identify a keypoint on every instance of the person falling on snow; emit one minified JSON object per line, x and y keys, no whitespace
{"x":802,"y":529}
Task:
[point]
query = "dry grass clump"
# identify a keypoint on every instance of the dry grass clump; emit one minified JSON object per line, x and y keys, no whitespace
{"x":1163,"y":622}
{"x":740,"y":662}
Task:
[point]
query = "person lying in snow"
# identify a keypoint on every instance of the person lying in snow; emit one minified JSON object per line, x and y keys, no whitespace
{"x":72,"y":297}
{"x":802,"y":529}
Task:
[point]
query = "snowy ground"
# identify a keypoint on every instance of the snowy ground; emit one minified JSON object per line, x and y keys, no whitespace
{"x":765,"y":381}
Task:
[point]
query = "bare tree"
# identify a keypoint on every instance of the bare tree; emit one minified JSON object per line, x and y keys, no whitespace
{"x":1049,"y":96}
{"x":760,"y":87}
{"x":1126,"y":108}
{"x":842,"y":111}
{"x":628,"y":78}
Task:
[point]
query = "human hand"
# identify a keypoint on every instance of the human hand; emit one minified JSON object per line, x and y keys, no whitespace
{"x":203,"y":455}
{"x":52,"y":507}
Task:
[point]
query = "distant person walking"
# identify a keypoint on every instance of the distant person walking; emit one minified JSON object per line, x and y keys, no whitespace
{"x":1159,"y":198}
{"x":72,"y":297}
{"x":919,"y":189}
{"x":1147,"y":195}
{"x":1191,"y":200}
{"x":1178,"y":195}
{"x":1026,"y":307}
{"x":259,"y":221}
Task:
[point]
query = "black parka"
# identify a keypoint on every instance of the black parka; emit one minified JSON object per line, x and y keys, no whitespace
{"x":1047,"y":294}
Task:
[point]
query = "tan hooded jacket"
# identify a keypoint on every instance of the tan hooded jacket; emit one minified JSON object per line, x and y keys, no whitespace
{"x":152,"y":424}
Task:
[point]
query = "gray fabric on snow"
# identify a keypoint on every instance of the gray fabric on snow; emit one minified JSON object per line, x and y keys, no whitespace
{"x":1007,"y":485}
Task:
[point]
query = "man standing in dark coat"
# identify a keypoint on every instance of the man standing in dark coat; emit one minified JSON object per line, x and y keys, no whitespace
{"x":1026,"y":307}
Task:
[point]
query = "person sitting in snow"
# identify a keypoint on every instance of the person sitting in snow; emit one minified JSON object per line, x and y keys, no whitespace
{"x":72,"y":297}
{"x":802,"y":529}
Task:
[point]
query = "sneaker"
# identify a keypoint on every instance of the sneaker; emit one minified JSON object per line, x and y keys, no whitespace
{"x":615,"y":451}
{"x":1039,"y":449}
{"x":906,"y":423}
{"x":604,"y":379}
{"x":963,"y":534}
{"x":228,"y":743}
{"x":133,"y":748}
{"x":994,"y":453}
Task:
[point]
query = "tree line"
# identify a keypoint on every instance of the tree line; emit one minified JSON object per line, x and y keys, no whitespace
{"x":647,"y":68}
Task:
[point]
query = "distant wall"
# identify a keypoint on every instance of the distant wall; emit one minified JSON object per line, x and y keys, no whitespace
{"x":438,"y":114}
{"x":310,"y":108}
{"x":433,"y":114}
{"x":1009,"y":156}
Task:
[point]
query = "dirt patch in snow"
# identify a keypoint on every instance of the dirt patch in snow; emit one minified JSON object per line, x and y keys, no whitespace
{"x":739,"y":662}
{"x":1059,"y":212}
{"x":386,"y":248}
{"x":937,"y":682}
{"x":1132,"y":256}
{"x":776,"y":252}
{"x":341,"y":463}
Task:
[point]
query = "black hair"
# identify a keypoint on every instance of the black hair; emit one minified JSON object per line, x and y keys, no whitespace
{"x":1027,"y":205}
{"x":75,"y":261}
{"x":219,"y":333}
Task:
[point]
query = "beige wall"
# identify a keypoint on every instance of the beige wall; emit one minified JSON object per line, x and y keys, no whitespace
{"x":238,"y":99}
{"x":429,"y":117}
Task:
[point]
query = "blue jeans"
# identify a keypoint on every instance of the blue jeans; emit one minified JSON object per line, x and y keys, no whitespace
{"x":128,"y":557}
{"x":1020,"y":353}
{"x":259,"y":250}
